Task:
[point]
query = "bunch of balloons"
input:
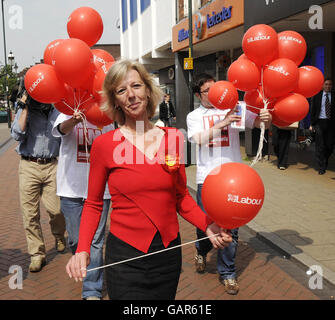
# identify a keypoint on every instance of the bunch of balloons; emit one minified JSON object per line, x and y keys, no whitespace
{"x":72,"y":74}
{"x":269,"y":74}
{"x":268,"y":71}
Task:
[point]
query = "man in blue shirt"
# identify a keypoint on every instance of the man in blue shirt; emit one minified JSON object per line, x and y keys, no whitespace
{"x":39,"y":150}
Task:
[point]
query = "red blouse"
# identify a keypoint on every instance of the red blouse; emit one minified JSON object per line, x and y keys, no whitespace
{"x":145,"y":195}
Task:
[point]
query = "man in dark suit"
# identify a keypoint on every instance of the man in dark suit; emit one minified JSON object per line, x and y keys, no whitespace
{"x":167,"y":111}
{"x":323,"y":124}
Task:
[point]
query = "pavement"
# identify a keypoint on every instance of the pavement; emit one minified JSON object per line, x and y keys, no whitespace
{"x":293,"y":231}
{"x":4,"y":134}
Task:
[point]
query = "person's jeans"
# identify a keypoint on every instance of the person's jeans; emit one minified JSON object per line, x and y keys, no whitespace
{"x":72,"y":208}
{"x":226,"y":257}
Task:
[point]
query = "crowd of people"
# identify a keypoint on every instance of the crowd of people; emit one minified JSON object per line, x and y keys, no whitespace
{"x":82,"y":173}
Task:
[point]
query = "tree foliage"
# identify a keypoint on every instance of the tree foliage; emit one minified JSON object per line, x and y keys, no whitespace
{"x":11,"y":80}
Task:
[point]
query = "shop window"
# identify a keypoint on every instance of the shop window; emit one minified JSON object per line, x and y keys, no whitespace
{"x":124,"y":15}
{"x":133,"y":10}
{"x":144,"y":4}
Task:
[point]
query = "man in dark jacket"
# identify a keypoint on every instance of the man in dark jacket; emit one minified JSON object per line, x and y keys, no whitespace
{"x":167,"y":111}
{"x":323,"y":123}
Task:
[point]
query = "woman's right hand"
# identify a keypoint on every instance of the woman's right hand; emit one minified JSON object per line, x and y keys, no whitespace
{"x":76,"y":267}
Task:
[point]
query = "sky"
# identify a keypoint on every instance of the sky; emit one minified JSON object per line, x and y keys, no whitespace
{"x":32,"y":24}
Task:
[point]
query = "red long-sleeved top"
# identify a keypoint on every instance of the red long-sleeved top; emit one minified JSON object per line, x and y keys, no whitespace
{"x":145,"y":196}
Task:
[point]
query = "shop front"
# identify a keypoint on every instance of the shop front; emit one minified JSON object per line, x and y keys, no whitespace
{"x":217,"y":31}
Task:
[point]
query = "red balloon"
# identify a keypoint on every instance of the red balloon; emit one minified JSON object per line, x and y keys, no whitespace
{"x":50,"y":50}
{"x":87,"y":85}
{"x":97,"y":117}
{"x":254,"y":101}
{"x":291,"y":108}
{"x":101,"y":57}
{"x":223,"y":95}
{"x":232,"y":194}
{"x":99,"y":79}
{"x":43,"y":85}
{"x":75,"y":99}
{"x":244,"y":74}
{"x":279,"y":123}
{"x":260,"y":44}
{"x":280,"y":78}
{"x":242,"y":56}
{"x":292,"y":45}
{"x":85,"y":24}
{"x":254,"y":98}
{"x":73,"y":61}
{"x":310,"y":81}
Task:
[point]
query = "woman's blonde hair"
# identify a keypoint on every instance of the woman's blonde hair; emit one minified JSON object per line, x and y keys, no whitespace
{"x":113,"y":79}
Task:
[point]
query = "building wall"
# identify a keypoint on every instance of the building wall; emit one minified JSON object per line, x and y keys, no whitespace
{"x":151,"y":30}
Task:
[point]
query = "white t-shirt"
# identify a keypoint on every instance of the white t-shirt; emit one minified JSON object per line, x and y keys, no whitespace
{"x":73,"y":161}
{"x":222,"y":149}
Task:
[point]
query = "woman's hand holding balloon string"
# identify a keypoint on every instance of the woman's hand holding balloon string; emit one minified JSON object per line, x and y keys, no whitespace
{"x":223,"y":238}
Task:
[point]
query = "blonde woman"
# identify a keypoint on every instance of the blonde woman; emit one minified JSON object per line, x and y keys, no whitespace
{"x":147,"y":181}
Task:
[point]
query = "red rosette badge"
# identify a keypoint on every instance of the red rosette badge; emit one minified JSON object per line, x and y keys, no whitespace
{"x":171,"y":163}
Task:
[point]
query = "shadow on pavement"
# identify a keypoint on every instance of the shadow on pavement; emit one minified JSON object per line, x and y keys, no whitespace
{"x":15,"y":257}
{"x":287,"y":245}
{"x":244,"y":256}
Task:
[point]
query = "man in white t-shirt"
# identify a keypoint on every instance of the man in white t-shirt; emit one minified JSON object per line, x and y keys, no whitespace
{"x":72,"y":183}
{"x":217,"y":143}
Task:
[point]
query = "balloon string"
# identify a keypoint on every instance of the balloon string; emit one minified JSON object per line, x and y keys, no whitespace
{"x":150,"y":254}
{"x":84,"y":121}
{"x":90,"y":98}
{"x":248,"y":105}
{"x":258,"y":156}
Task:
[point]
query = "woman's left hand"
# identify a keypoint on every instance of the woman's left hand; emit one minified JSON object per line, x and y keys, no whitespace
{"x":223,"y":238}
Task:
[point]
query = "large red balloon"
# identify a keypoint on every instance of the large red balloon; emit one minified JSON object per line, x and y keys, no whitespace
{"x":292,"y":45}
{"x":85,"y":24}
{"x":310,"y":81}
{"x":73,"y":61}
{"x":101,"y":57}
{"x":232,"y":194}
{"x":43,"y":85}
{"x":260,"y":44}
{"x":291,"y":108}
{"x":99,"y":79}
{"x":75,"y":99}
{"x":50,"y":50}
{"x":280,"y":78}
{"x":97,"y":117}
{"x":223,"y":95}
{"x":244,"y":74}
